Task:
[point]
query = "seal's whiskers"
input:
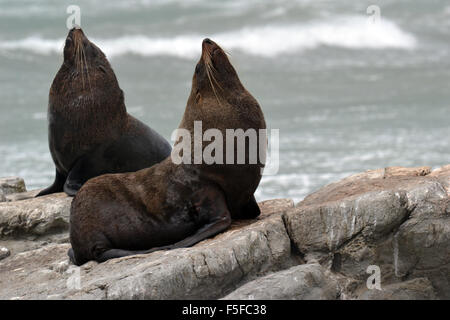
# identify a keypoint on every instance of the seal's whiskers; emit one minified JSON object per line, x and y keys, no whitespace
{"x":87,"y":68}
{"x":79,"y":58}
{"x":209,"y":72}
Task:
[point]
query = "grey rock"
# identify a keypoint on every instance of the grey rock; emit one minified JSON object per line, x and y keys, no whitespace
{"x":395,"y":218}
{"x":370,"y":181}
{"x":32,"y":242}
{"x":421,"y":248}
{"x":211,"y":269}
{"x":414,"y":289}
{"x":303,"y":282}
{"x":29,"y":273}
{"x":36,"y":216}
{"x":11,"y":185}
{"x":208,"y":270}
{"x":4,"y":253}
{"x":326,"y":227}
{"x":2,"y":196}
{"x":269,"y":207}
{"x":22,"y":195}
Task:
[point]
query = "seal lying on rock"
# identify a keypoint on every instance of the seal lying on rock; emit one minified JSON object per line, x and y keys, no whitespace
{"x":174,"y":205}
{"x":90,"y":132}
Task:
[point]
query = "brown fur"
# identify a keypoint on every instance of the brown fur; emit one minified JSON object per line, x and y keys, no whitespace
{"x":89,"y":128}
{"x":168,"y":205}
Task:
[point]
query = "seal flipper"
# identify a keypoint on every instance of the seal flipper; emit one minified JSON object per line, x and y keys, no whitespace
{"x":250,"y":210}
{"x":212,"y":208}
{"x":114,"y":157}
{"x":71,"y":189}
{"x":83,"y":170}
{"x":57,"y":185}
{"x":75,"y":180}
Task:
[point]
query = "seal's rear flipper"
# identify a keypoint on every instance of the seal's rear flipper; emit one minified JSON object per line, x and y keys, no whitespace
{"x":211,"y":207}
{"x":57,"y":185}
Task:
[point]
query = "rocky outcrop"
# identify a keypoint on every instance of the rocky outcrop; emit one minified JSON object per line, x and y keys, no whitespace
{"x":394,"y":220}
{"x":4,"y":253}
{"x":303,"y":282}
{"x":11,"y":185}
{"x":209,"y":270}
{"x":21,"y":195}
{"x":415,"y":289}
{"x":37,"y":216}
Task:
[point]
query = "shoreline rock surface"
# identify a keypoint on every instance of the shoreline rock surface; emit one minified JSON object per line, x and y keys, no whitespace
{"x":11,"y":185}
{"x":396,"y":219}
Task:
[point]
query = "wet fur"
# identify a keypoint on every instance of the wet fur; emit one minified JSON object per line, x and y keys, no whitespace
{"x":170,"y":206}
{"x":89,"y":127}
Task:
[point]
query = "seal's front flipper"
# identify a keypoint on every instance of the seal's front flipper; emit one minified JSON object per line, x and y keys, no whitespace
{"x":250,"y":210}
{"x":74,"y":181}
{"x":71,"y":188}
{"x":82,"y":171}
{"x":57,"y":185}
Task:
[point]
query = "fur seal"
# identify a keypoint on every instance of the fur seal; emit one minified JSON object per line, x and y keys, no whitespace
{"x":173,"y":205}
{"x":89,"y":130}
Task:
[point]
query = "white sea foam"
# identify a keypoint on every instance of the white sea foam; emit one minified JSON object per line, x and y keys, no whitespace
{"x":267,"y":41}
{"x":34,"y":44}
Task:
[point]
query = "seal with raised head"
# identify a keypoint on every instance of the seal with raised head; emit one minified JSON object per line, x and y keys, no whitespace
{"x":89,"y":130}
{"x":173,"y":205}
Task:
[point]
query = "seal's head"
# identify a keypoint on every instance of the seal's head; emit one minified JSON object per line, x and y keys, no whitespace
{"x":214,"y":75}
{"x":79,"y":50}
{"x":85,"y":65}
{"x":85,"y":75}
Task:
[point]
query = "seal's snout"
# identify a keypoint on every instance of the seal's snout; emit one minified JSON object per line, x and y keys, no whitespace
{"x":208,"y":44}
{"x":78,"y":32}
{"x":209,"y":47}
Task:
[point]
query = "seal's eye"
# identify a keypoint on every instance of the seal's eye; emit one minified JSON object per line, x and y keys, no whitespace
{"x":68,"y":41}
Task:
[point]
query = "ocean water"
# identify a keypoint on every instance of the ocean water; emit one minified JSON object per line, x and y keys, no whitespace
{"x":348,"y":90}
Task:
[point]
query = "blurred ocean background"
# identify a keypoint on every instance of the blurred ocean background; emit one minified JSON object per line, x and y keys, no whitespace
{"x":348,"y":92}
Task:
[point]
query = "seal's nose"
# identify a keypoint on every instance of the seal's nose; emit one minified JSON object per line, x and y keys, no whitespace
{"x":76,"y":31}
{"x":207,"y":41}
